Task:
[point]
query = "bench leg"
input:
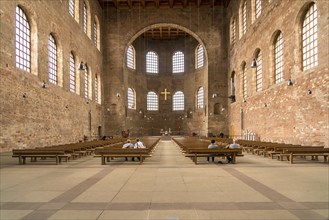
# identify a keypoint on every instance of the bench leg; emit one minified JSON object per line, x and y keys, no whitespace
{"x":233,"y":158}
{"x":291,"y":157}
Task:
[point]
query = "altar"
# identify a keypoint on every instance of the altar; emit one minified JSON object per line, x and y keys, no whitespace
{"x":165,"y":132}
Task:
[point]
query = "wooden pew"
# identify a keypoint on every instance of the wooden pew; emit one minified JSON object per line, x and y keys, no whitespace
{"x":290,"y":153}
{"x":205,"y":152}
{"x":22,"y":154}
{"x":194,"y":148}
{"x":115,"y":150}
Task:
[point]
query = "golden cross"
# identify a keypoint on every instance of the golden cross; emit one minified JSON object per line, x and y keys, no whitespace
{"x":165,"y":93}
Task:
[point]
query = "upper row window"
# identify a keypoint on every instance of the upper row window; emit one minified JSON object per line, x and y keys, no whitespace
{"x":23,"y":41}
{"x":152,"y":63}
{"x":152,"y":60}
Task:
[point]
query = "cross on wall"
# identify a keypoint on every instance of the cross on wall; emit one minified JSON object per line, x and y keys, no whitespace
{"x":165,"y":93}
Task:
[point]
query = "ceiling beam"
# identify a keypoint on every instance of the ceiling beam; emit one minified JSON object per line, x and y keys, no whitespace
{"x":184,"y":3}
{"x":129,"y":4}
{"x":115,"y":2}
{"x":143,"y":3}
{"x":171,"y":3}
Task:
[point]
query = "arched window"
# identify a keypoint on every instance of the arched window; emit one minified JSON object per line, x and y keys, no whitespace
{"x":233,"y":81}
{"x":200,"y":98}
{"x":310,"y":38}
{"x":233,"y":32}
{"x":97,"y":89}
{"x":259,"y":72}
{"x":244,"y":17}
{"x":178,"y":62}
{"x":178,"y":101}
{"x":258,"y":8}
{"x":131,"y":98}
{"x":52,"y":60}
{"x":131,"y":57}
{"x":278,"y":58}
{"x":23,"y":41}
{"x":72,"y":7}
{"x":86,"y":83}
{"x":152,"y":101}
{"x":95,"y":33}
{"x":152,"y":65}
{"x":72,"y":73}
{"x":199,"y":56}
{"x":244,"y":81}
{"x":85,"y":17}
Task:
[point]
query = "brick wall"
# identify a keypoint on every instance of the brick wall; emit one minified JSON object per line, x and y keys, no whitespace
{"x":51,"y":115}
{"x":280,"y":112}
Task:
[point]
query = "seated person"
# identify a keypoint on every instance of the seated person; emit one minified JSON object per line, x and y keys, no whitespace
{"x":232,"y":146}
{"x":212,"y":145}
{"x":127,"y":145}
{"x":139,"y":144}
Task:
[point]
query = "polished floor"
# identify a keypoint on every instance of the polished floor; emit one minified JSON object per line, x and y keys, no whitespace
{"x":167,"y":186}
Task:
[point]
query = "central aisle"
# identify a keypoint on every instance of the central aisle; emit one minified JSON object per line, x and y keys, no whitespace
{"x":168,"y":154}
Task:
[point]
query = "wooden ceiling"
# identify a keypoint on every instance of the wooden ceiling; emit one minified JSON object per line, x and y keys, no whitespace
{"x":129,"y":4}
{"x":164,"y":33}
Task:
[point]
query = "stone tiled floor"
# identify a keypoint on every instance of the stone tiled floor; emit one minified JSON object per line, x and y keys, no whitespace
{"x":166,"y":186}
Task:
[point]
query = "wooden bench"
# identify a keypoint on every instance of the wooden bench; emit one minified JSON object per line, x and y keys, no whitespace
{"x":108,"y":153}
{"x":290,"y":153}
{"x":115,"y":150}
{"x":194,"y":148}
{"x":22,"y":154}
{"x":201,"y":152}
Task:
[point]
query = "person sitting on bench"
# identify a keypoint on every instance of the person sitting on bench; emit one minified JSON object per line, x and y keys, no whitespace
{"x":127,"y":145}
{"x":137,"y":145}
{"x":212,"y":145}
{"x":232,"y":146}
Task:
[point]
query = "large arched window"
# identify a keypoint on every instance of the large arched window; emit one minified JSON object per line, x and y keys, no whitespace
{"x":278,"y":58}
{"x":131,"y":57}
{"x":178,"y":62}
{"x":72,"y":73}
{"x":152,"y":62}
{"x":258,"y":7}
{"x":23,"y":41}
{"x":86,"y":19}
{"x":259,"y":72}
{"x":72,"y":7}
{"x":244,"y":17}
{"x":97,"y":89}
{"x":95,"y":33}
{"x":86,"y":82}
{"x":131,"y":98}
{"x":200,"y":98}
{"x":310,"y":38}
{"x":199,"y":57}
{"x":244,"y":80}
{"x":178,"y":101}
{"x":152,"y":101}
{"x":233,"y":31}
{"x":52,"y":60}
{"x":233,"y":81}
